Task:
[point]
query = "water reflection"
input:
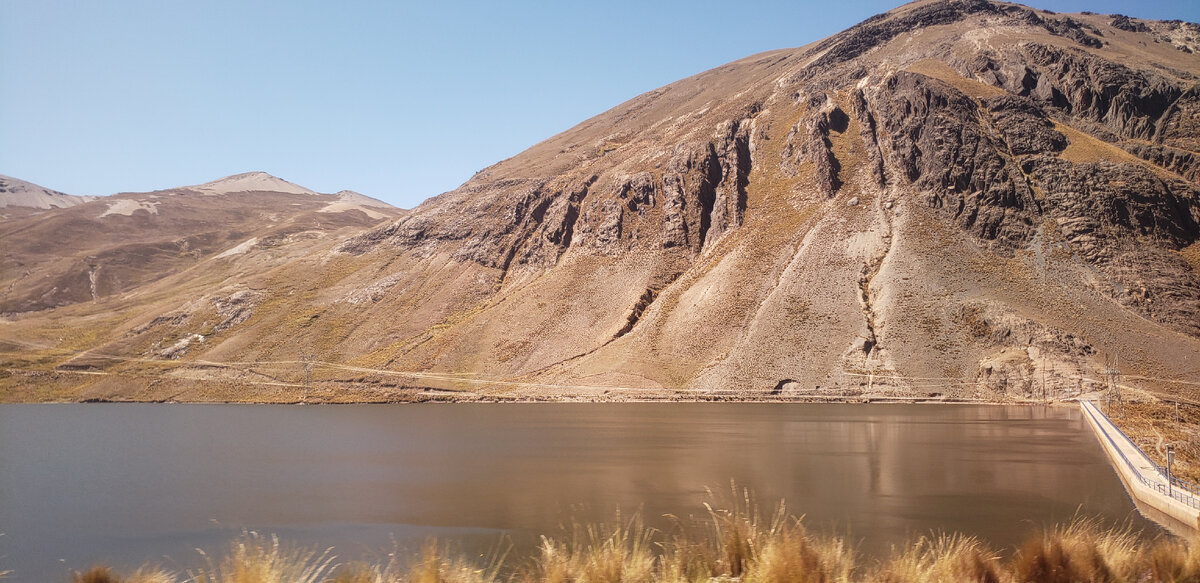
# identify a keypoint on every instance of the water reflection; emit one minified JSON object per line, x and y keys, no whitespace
{"x":128,"y":482}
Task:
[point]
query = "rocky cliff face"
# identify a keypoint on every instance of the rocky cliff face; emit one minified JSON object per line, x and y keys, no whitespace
{"x":956,"y":198}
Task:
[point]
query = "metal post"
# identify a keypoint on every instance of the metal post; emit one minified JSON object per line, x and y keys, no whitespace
{"x":1107,"y":387}
{"x":307,"y":357}
{"x":1170,"y":459}
{"x":1112,"y":378}
{"x":1116,"y":383}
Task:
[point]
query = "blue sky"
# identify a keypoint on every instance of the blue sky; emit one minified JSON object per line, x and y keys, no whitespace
{"x":396,"y":100}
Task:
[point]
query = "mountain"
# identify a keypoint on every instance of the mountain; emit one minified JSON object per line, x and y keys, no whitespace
{"x":105,"y":246}
{"x":250,"y":182}
{"x":956,"y":198}
{"x":16,"y":193}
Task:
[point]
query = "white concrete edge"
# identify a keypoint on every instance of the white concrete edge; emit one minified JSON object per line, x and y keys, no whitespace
{"x":1109,"y":437}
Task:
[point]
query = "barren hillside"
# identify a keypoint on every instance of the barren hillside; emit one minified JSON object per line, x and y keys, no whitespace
{"x":957,"y":198}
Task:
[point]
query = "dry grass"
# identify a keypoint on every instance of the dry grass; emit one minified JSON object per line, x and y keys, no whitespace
{"x":1191,"y":254}
{"x":775,"y":548}
{"x":1083,"y":148}
{"x":848,"y":147}
{"x":733,"y":543}
{"x":942,"y":559}
{"x":611,"y":554}
{"x":1074,"y":553}
{"x":434,"y":565}
{"x":943,"y":72}
{"x":1154,"y":425}
{"x":254,"y":558}
{"x":101,"y":574}
{"x":768,"y":183}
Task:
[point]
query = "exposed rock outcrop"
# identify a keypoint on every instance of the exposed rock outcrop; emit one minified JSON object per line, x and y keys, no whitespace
{"x":1025,"y":126}
{"x":702,"y":189}
{"x":235,"y":308}
{"x":1128,"y":24}
{"x":1181,"y":162}
{"x":1119,"y":101}
{"x":1126,"y":221}
{"x":808,"y":143}
{"x":878,"y":30}
{"x":937,"y":142}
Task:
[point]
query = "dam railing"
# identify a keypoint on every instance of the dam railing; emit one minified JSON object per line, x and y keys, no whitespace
{"x":1181,"y":490}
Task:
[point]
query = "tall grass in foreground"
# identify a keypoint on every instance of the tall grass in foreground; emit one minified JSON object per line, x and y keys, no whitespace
{"x":735,"y":543}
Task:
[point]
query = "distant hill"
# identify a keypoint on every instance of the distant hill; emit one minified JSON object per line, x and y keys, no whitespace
{"x":102,"y":246}
{"x":250,"y":182}
{"x":18,"y":193}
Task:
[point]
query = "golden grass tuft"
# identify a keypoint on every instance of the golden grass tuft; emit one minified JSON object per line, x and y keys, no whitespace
{"x":253,"y":558}
{"x":1191,"y":254}
{"x":435,"y":566}
{"x":739,"y":542}
{"x":942,"y":559}
{"x":102,"y":574}
{"x":1084,"y":551}
{"x":946,"y":74}
{"x":151,"y":575}
{"x":1171,"y":560}
{"x":789,"y":554}
{"x":1062,"y":555}
{"x":96,"y":574}
{"x":619,"y":553}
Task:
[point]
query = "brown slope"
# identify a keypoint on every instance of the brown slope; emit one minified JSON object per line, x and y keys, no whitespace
{"x":114,"y":244}
{"x":19,"y":198}
{"x":958,"y":197}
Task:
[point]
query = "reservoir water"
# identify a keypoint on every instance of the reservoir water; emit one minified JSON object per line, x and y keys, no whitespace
{"x":126,"y":483}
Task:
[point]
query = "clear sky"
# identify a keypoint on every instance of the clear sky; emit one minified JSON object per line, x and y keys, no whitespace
{"x":397,"y":100}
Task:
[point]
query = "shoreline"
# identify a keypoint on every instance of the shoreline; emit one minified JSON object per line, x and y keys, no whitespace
{"x":449,"y":398}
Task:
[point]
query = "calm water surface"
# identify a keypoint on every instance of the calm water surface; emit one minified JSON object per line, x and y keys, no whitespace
{"x":122,"y":484}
